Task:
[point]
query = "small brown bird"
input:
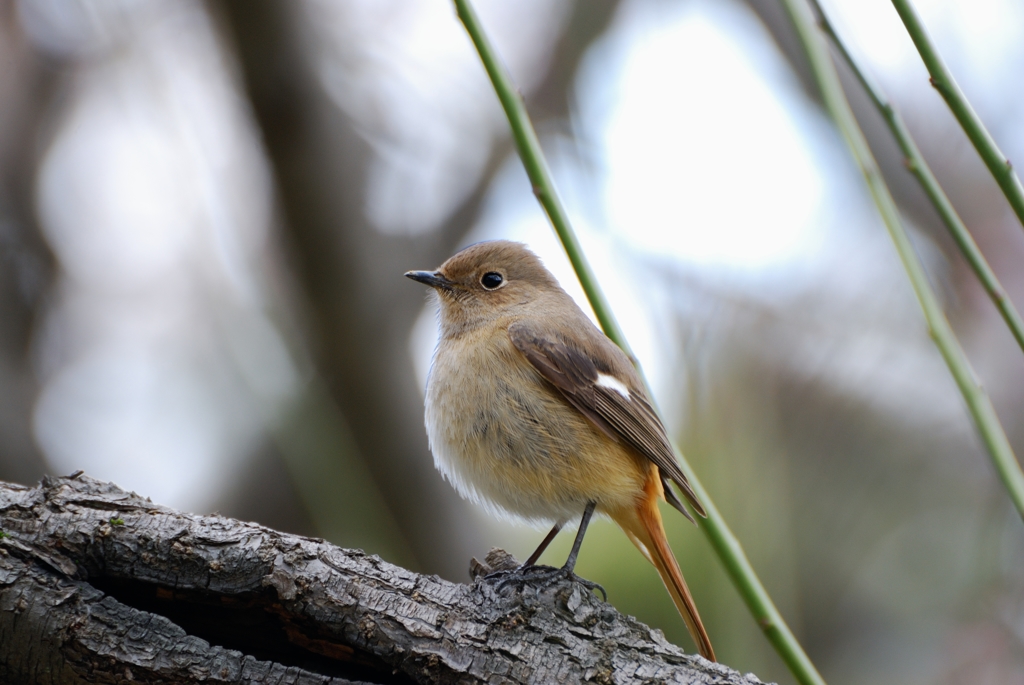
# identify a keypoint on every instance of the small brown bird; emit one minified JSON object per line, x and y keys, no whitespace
{"x":534,"y":413}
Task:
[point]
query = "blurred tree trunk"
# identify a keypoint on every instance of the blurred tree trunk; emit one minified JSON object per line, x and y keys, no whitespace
{"x":26,"y":265}
{"x":361,"y":308}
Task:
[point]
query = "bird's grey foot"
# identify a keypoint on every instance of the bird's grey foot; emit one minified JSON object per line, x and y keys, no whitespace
{"x":540,"y":575}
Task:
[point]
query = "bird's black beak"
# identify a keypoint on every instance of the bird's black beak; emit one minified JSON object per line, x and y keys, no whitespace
{"x":432,"y":278}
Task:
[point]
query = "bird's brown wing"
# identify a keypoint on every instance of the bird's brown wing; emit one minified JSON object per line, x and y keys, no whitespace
{"x":625,"y":417}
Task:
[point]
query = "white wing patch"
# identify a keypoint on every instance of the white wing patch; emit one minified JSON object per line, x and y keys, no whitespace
{"x":613,"y":383}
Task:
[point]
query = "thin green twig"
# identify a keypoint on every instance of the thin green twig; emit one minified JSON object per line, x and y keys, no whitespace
{"x":944,"y":82}
{"x":537,"y":170}
{"x":723,"y":541}
{"x":977,"y":399}
{"x":917,"y":165}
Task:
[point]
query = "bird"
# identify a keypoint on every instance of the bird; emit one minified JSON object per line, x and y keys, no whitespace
{"x":535,"y":414}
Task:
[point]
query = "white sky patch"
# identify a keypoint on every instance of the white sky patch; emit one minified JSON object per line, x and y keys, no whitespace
{"x":613,"y":383}
{"x":703,"y":161}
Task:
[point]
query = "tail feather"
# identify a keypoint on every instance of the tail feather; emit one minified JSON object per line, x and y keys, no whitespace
{"x":644,"y":528}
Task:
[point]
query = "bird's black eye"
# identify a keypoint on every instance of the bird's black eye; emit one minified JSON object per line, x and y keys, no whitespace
{"x":491,"y":280}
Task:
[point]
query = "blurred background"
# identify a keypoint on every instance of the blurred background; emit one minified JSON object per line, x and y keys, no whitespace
{"x":206,"y":210}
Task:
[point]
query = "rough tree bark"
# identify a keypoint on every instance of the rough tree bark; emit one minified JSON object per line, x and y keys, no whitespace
{"x":99,"y":585}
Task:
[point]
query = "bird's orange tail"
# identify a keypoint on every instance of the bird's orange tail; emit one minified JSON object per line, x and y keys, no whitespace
{"x":644,"y":528}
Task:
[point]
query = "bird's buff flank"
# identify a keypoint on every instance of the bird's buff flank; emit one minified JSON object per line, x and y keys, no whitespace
{"x":534,"y":413}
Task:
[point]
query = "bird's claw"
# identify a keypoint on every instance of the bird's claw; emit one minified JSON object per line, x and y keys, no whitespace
{"x":541,"y":574}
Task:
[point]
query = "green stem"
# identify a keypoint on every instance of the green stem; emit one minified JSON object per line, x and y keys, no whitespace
{"x":917,"y":165}
{"x":977,"y":399}
{"x":722,"y":540}
{"x":537,"y":170}
{"x":944,"y":82}
{"x":747,"y":583}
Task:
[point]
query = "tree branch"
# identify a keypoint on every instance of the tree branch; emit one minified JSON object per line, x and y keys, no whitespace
{"x":100,"y":585}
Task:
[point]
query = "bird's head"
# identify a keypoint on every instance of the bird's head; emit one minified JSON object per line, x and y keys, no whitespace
{"x":485,"y":282}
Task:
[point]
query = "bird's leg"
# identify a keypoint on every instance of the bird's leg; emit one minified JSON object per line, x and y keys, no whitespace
{"x":529,"y":563}
{"x":570,"y":563}
{"x":530,"y":573}
{"x":543,"y":545}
